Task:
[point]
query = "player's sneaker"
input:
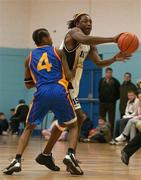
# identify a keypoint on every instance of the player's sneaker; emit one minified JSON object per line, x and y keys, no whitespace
{"x":15,"y":166}
{"x":78,"y":161}
{"x":47,"y":161}
{"x":72,"y":165}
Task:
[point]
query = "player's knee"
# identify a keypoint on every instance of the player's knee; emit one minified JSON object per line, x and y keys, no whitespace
{"x":69,"y":124}
{"x":72,"y":123}
{"x":61,"y":127}
{"x":81,"y":116}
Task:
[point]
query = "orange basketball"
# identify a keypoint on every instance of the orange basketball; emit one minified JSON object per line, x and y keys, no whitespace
{"x":128,"y":42}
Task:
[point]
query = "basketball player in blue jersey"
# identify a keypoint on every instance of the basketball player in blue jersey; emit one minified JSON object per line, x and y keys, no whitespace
{"x":46,"y":68}
{"x":79,"y":45}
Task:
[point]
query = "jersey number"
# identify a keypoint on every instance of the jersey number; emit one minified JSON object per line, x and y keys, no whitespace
{"x":44,"y":63}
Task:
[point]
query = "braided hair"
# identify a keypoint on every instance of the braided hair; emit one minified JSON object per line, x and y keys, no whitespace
{"x":39,"y":34}
{"x":76,"y":18}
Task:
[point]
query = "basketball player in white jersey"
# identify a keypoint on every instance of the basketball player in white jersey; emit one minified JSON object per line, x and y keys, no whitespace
{"x":77,"y":45}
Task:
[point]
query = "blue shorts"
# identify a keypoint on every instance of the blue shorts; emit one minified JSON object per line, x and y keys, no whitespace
{"x":52,"y":97}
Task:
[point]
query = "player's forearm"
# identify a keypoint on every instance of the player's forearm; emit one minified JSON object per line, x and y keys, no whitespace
{"x":104,"y":63}
{"x":101,"y":40}
{"x":92,"y":40}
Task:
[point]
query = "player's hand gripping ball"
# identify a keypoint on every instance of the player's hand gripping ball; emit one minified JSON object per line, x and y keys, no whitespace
{"x":128,"y":42}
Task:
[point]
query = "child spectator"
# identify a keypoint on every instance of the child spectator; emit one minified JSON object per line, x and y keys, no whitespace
{"x":101,"y":134}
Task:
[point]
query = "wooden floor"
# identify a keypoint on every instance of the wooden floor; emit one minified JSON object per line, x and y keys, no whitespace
{"x":99,"y":162}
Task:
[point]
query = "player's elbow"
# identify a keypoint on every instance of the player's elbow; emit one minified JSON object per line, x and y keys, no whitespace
{"x":29,"y":86}
{"x":100,"y":66}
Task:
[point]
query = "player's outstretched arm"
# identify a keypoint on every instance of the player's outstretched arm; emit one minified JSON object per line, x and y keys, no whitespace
{"x":80,"y":37}
{"x":28,"y":78}
{"x":94,"y":56}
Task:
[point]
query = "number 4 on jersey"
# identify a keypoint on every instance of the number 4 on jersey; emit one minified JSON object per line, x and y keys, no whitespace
{"x":44,"y":63}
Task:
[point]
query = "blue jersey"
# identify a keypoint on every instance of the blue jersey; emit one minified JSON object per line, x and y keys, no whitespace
{"x":47,"y":73}
{"x":46,"y":66}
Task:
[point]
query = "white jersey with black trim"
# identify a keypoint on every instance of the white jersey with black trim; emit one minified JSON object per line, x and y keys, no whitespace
{"x":81,"y":54}
{"x":75,"y":59}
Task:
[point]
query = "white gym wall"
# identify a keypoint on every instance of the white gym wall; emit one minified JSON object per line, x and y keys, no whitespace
{"x":18,"y":18}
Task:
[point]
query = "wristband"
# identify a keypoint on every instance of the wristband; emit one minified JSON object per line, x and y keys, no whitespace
{"x":28,"y":80}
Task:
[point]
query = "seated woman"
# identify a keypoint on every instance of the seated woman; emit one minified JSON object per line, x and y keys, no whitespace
{"x":130,"y":112}
{"x":130,"y":128}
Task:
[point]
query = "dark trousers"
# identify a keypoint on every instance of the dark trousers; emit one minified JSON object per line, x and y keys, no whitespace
{"x":116,"y":129}
{"x":14,"y":125}
{"x":133,"y":145}
{"x":3,"y":126}
{"x":110,"y":109}
{"x":98,"y":138}
{"x":1,"y":129}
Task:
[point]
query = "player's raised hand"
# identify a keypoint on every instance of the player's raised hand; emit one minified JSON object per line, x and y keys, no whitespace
{"x":121,"y":56}
{"x":115,"y":38}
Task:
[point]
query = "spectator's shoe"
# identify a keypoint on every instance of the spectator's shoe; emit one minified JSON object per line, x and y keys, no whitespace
{"x":124,"y":157}
{"x":112,"y":142}
{"x":120,"y":138}
{"x":86,"y":140}
{"x":15,"y":133}
{"x":119,"y":143}
{"x":15,"y":166}
{"x":72,"y":165}
{"x":5,"y":133}
{"x":48,"y":161}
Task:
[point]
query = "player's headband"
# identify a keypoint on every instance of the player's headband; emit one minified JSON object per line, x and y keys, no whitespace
{"x":78,"y":15}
